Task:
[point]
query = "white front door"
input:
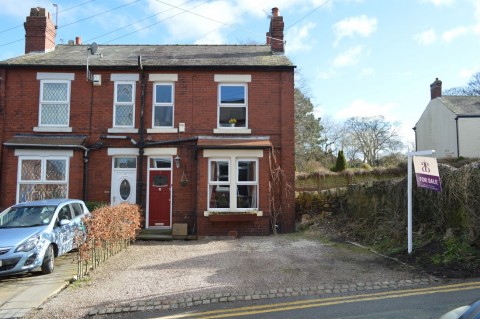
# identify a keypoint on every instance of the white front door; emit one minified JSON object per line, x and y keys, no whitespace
{"x":124,"y":187}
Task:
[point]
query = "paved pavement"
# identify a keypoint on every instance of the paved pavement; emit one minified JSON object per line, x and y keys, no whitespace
{"x":323,"y":290}
{"x":22,"y":293}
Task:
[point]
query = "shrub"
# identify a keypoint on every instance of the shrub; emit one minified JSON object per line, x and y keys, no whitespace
{"x":341,"y":163}
{"x":109,"y":230}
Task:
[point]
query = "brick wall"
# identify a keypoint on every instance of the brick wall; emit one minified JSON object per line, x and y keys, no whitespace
{"x":270,"y":100}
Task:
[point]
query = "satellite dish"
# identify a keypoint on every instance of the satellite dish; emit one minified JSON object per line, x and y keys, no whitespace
{"x":93,"y":48}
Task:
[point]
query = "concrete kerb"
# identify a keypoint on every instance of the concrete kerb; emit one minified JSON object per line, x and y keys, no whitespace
{"x":193,"y":301}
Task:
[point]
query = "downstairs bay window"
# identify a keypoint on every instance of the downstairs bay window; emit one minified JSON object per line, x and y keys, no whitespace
{"x":42,"y":177}
{"x":233,"y":184}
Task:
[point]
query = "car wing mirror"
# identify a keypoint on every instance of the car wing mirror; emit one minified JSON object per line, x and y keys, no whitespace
{"x":63,"y":222}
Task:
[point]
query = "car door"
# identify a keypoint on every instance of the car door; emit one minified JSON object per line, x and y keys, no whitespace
{"x":79,"y":213}
{"x":64,"y":229}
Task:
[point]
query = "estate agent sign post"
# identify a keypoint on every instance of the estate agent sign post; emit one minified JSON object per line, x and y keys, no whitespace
{"x":426,"y":171}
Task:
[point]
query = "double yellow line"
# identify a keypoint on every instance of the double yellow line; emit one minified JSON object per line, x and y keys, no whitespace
{"x":322,"y":302}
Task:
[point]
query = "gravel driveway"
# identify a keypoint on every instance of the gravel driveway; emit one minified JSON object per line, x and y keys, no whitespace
{"x":156,"y":271}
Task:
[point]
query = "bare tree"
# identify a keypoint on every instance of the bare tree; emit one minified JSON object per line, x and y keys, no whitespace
{"x":372,"y":137}
{"x":471,"y":89}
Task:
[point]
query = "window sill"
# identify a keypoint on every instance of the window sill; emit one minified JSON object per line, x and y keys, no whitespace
{"x":63,"y":129}
{"x":258,"y":213}
{"x":123,"y":130}
{"x":162,"y":130}
{"x":232,"y":131}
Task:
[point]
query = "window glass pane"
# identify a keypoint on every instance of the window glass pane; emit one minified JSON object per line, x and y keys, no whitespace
{"x":31,"y":170}
{"x":160,"y":163}
{"x":219,"y":196}
{"x":160,"y":180}
{"x":163,"y":93}
{"x":55,"y":92}
{"x":232,"y":94}
{"x":124,"y":115}
{"x":247,"y":171}
{"x":124,"y":93}
{"x":56,"y":170}
{"x":54,"y":114}
{"x":238,"y":113}
{"x":247,"y":196}
{"x":125,"y":162}
{"x":163,"y":116}
{"x":125,"y":189}
{"x":77,"y":209}
{"x":30,"y":192}
{"x":219,"y":171}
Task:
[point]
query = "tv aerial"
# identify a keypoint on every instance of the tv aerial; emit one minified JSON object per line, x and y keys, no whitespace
{"x":91,"y":50}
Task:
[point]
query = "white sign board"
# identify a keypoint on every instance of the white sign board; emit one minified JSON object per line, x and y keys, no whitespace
{"x":426,"y":172}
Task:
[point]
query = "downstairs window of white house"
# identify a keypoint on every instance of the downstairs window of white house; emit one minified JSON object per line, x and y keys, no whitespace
{"x":123,"y":112}
{"x":42,"y":178}
{"x":163,"y":105}
{"x":232,"y":108}
{"x":233,"y":186}
{"x":54,"y":103}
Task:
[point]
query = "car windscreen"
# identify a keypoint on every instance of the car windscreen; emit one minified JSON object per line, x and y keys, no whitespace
{"x":26,"y":216}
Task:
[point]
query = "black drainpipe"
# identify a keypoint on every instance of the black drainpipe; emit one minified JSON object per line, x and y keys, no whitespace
{"x":142,"y":136}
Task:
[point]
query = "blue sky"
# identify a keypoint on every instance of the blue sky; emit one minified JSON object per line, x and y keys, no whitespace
{"x":358,"y":57}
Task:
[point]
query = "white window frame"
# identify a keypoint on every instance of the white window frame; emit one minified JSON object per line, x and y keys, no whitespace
{"x":170,"y":104}
{"x":232,"y":105}
{"x":42,"y":181}
{"x":132,"y":104}
{"x":232,"y":182}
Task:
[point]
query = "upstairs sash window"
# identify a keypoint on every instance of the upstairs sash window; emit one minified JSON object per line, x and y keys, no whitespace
{"x":54,"y":103}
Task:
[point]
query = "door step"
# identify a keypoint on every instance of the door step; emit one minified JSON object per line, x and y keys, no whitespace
{"x":155,"y":234}
{"x":162,"y":235}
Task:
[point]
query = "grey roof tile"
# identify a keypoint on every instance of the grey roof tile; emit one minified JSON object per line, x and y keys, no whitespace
{"x":155,"y":56}
{"x":462,"y":105}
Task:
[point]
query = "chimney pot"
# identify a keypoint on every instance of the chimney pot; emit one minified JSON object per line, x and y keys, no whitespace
{"x":78,"y":40}
{"x":275,"y":12}
{"x":436,"y":89}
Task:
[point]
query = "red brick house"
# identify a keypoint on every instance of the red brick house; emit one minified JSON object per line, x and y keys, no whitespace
{"x":185,"y":131}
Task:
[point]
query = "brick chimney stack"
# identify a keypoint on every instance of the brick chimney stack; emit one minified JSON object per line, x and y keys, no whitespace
{"x":40,"y":31}
{"x":275,"y":34}
{"x":436,"y":89}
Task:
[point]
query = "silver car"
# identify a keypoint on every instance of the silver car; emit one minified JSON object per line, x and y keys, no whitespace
{"x":32,"y":234}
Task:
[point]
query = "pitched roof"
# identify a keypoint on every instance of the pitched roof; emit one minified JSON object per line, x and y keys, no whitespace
{"x":155,"y":56}
{"x":462,"y":105}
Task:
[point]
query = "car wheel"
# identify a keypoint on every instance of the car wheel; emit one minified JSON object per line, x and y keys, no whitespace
{"x":48,"y":261}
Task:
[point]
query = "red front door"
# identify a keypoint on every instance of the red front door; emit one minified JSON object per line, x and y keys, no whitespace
{"x":159,"y":200}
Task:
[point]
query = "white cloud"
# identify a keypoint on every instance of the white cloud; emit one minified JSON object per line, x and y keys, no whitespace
{"x":367,"y":72}
{"x":364,"y":108}
{"x":299,"y":38}
{"x":349,"y":27}
{"x":426,"y":38}
{"x":185,"y":26}
{"x":348,"y":58}
{"x":440,"y":2}
{"x":325,"y":75}
{"x":466,"y":74}
{"x":22,"y":8}
{"x":450,"y":35}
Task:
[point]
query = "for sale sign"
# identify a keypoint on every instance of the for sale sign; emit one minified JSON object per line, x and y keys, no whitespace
{"x":426,"y":171}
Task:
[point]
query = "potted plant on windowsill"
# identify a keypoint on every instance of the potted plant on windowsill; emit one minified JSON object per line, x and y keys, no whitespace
{"x":232,"y":122}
